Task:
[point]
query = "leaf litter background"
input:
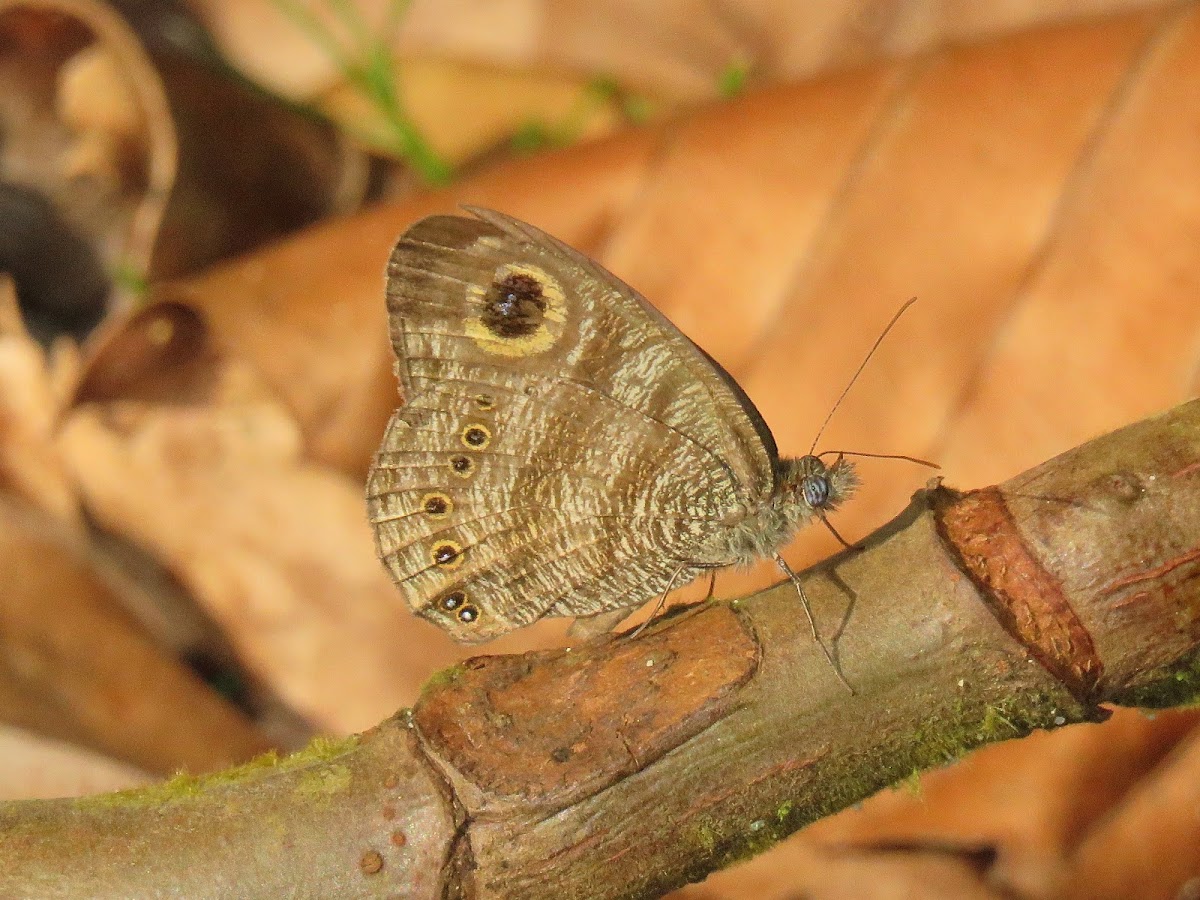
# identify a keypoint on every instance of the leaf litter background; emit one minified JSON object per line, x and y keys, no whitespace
{"x":188,"y":576}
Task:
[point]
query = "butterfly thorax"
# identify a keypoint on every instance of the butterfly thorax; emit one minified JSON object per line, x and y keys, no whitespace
{"x":806,"y":487}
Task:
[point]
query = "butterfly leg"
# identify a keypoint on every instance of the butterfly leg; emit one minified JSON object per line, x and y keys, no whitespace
{"x":662,"y":599}
{"x":712,"y":584}
{"x":812,"y":623}
{"x":590,"y":628}
{"x":841,"y":540}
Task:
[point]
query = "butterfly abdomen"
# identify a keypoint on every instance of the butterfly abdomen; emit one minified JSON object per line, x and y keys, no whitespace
{"x":763,"y":532}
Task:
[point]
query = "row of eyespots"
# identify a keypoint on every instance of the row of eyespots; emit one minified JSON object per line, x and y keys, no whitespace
{"x":475,"y":436}
{"x":457,"y":601}
{"x":448,"y":554}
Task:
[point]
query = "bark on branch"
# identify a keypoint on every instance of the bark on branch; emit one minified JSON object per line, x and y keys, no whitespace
{"x":627,"y":768}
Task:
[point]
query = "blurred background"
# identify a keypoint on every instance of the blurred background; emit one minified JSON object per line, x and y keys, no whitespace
{"x":197,"y":201}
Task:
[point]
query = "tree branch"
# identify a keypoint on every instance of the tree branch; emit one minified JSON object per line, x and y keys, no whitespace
{"x":629,"y":767}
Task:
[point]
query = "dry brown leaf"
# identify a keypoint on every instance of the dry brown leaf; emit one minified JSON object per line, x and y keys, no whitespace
{"x":675,"y":49}
{"x":949,"y":872}
{"x":277,"y":550}
{"x":1151,"y":812}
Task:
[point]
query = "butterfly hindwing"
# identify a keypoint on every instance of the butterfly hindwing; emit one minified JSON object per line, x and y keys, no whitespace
{"x":562,"y":446}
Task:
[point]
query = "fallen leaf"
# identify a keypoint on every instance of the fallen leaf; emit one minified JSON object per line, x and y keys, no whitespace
{"x":680,"y":49}
{"x":87,"y":132}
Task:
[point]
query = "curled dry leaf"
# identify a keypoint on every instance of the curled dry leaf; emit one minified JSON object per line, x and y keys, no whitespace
{"x":252,"y":168}
{"x":96,"y":131}
{"x":88,"y":138}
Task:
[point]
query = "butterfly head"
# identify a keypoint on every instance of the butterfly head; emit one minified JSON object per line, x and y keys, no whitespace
{"x":809,"y":482}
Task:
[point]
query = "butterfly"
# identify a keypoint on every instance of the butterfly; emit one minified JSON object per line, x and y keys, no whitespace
{"x":563,"y":449}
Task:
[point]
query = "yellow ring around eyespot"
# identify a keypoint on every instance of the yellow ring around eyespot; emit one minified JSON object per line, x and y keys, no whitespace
{"x":437,"y":495}
{"x":476,"y":427}
{"x":453,"y":562}
{"x":466,"y":472}
{"x":546,"y":335}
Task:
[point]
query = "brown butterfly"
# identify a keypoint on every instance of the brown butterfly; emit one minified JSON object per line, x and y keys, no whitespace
{"x":563,"y":449}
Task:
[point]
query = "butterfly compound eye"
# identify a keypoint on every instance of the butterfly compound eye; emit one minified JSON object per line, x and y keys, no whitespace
{"x":816,"y":490}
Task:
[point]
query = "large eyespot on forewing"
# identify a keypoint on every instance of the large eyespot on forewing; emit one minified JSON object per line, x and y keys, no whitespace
{"x":521,"y":313}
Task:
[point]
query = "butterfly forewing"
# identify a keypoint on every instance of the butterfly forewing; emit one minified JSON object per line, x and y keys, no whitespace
{"x":717,"y":414}
{"x":561,"y":448}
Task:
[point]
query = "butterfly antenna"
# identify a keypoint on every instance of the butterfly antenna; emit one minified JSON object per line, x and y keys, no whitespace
{"x":911,"y":459}
{"x":858,"y":371}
